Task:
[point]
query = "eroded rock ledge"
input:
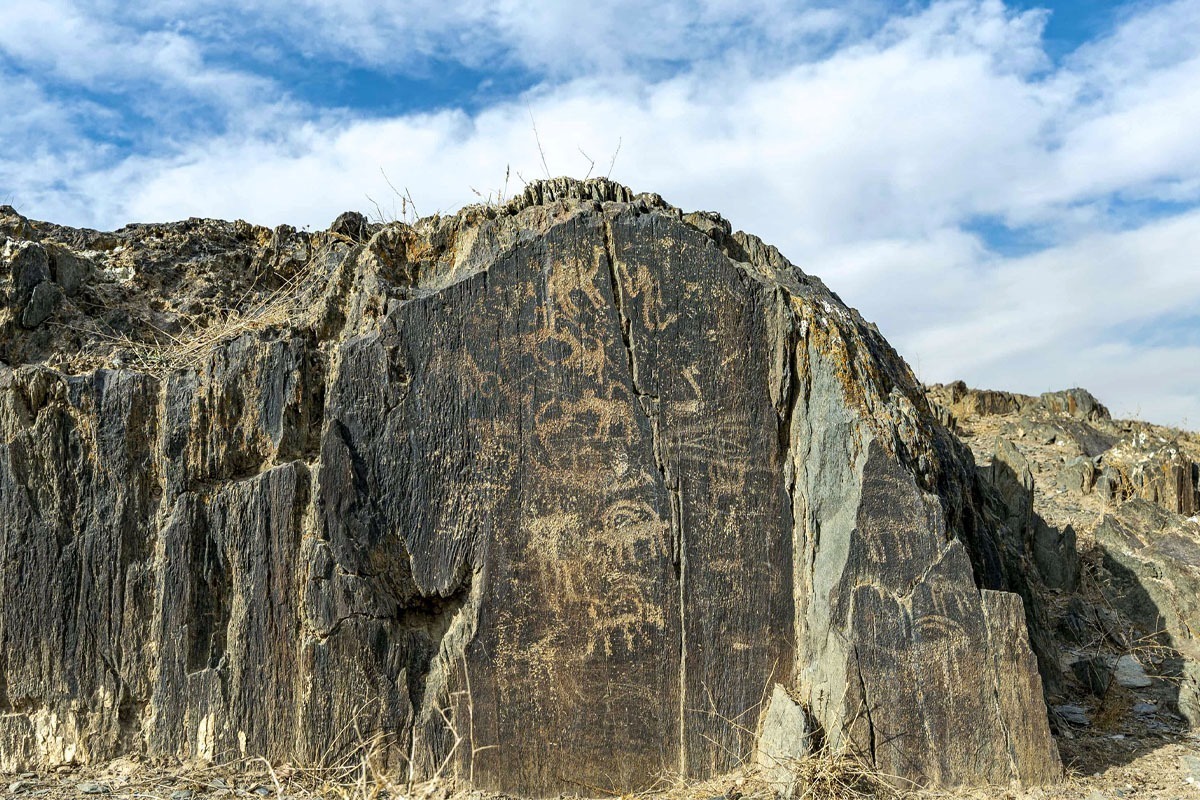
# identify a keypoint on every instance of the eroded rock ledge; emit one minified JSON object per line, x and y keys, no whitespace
{"x":552,"y":494}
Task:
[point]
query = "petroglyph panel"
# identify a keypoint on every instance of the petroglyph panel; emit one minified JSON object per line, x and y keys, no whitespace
{"x":547,"y":495}
{"x":547,"y":475}
{"x":697,"y":333}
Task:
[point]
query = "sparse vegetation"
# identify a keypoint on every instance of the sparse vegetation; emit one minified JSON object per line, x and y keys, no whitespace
{"x":162,"y":353}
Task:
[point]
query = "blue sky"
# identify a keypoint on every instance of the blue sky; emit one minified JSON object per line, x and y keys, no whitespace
{"x":1011,"y":190}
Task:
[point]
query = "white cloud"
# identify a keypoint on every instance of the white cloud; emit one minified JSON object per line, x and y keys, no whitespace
{"x":868,"y":165}
{"x":558,"y":37}
{"x":1075,"y":314}
{"x":62,"y":41}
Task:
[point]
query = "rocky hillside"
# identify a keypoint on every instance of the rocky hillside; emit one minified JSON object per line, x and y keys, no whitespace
{"x":1109,"y":513}
{"x":564,"y":495}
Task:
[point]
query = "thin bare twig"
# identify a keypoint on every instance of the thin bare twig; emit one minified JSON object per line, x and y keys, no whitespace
{"x":591,"y":163}
{"x":406,"y":200}
{"x":378,"y":211}
{"x":608,"y":175}
{"x":538,"y":139}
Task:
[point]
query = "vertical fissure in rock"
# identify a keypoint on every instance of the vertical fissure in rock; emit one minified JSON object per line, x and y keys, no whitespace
{"x":648,"y":404}
{"x":809,"y":526}
{"x":789,"y":399}
{"x":787,"y":413}
{"x":619,"y":301}
{"x":210,"y":603}
{"x":866,"y":706}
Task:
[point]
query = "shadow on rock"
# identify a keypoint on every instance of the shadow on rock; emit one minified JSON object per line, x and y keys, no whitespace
{"x":1110,"y":629}
{"x":1037,"y":557}
{"x":1126,"y":643}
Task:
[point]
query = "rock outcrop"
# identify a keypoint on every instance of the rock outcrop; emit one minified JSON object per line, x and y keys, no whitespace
{"x":1116,"y":459}
{"x":551,"y":495}
{"x":1155,"y":559}
{"x":1106,"y":510}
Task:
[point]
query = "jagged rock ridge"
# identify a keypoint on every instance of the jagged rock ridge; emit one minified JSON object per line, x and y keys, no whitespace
{"x":551,"y":494}
{"x":1106,"y":509}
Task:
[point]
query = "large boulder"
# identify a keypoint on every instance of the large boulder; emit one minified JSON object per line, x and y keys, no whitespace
{"x":550,"y":495}
{"x":1076,"y":403}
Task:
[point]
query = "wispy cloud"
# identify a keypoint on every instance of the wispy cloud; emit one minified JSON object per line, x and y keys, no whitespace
{"x":898,"y":155}
{"x":559,"y":38}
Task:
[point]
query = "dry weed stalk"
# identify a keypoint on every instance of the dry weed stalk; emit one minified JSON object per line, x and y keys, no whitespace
{"x":360,"y":774}
{"x":357,"y":776}
{"x":499,"y":197}
{"x":1153,"y":651}
{"x":407,"y":213}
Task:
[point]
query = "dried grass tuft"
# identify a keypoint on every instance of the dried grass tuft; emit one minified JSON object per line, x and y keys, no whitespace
{"x":163,"y":352}
{"x":360,"y":774}
{"x":840,"y":774}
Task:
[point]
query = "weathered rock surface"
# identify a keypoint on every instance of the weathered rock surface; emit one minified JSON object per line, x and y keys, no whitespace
{"x":1156,"y":559}
{"x":549,"y":494}
{"x":1115,"y":543}
{"x":783,"y":739}
{"x":1052,"y":550}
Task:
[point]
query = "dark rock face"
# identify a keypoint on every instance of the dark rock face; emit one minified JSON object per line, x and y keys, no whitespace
{"x":551,"y":495}
{"x":1155,"y":557}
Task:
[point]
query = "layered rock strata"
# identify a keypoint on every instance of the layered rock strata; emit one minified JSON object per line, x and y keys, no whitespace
{"x":549,"y":495}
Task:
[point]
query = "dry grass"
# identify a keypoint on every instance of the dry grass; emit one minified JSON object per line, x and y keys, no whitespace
{"x":497,"y":197}
{"x":406,"y":213}
{"x":162,"y":352}
{"x":1120,"y":637}
{"x":840,"y":774}
{"x":829,"y":774}
{"x":360,"y":774}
